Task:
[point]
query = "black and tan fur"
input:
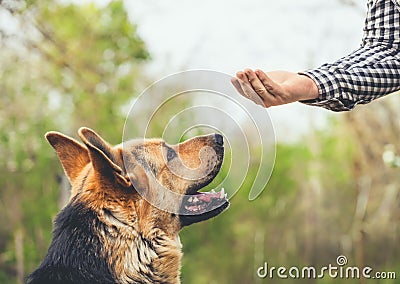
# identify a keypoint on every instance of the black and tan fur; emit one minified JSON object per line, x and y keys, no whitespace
{"x":108,"y":233}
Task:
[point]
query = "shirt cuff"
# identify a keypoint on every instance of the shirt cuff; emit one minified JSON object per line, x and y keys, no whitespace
{"x":328,"y":90}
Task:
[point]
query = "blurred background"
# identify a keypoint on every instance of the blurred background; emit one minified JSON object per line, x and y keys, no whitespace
{"x":336,"y":182}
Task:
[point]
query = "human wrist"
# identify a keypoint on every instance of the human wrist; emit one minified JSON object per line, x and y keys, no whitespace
{"x":310,"y":89}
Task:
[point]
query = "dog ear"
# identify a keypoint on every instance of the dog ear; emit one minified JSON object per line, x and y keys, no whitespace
{"x":103,"y":157}
{"x":73,"y":156}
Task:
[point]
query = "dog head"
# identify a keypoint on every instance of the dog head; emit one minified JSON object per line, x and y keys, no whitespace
{"x":144,"y":184}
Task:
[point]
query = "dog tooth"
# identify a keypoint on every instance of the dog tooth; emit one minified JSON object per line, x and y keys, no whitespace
{"x":190,"y":199}
{"x":213,"y":190}
{"x":222,"y":193}
{"x":226,"y":195}
{"x":195,"y":199}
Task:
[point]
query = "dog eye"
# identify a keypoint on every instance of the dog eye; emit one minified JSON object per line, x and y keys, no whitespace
{"x":170,"y":154}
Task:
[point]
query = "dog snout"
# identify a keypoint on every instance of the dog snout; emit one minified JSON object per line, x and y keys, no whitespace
{"x":219,"y":139}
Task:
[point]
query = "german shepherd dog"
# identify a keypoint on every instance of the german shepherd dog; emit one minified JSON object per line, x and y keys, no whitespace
{"x":109,"y":233}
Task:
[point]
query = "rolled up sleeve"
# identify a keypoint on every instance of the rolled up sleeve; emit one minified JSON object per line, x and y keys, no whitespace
{"x":365,"y":75}
{"x":369,"y":72}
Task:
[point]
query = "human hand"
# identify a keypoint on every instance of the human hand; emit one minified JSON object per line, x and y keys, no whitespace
{"x":276,"y":88}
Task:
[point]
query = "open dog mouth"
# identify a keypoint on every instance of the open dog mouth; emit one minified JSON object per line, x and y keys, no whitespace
{"x":202,"y":202}
{"x":201,"y":206}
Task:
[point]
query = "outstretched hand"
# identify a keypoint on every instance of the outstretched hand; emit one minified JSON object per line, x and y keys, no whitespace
{"x":274,"y":88}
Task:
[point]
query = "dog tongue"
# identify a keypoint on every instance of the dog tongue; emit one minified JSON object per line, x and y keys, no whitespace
{"x":207,"y":196}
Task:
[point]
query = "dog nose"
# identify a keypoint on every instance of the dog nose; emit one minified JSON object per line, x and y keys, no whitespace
{"x":219,"y":139}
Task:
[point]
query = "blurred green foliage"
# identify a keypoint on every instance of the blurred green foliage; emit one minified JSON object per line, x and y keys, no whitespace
{"x":78,"y":65}
{"x":62,"y":72}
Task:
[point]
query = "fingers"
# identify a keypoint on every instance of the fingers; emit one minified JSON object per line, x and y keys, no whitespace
{"x":235,"y":82}
{"x":246,"y":89}
{"x":265,"y":81}
{"x":256,"y":83}
{"x":256,"y":90}
{"x":273,"y":89}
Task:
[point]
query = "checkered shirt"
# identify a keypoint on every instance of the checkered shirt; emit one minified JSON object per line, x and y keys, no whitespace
{"x":371,"y":71}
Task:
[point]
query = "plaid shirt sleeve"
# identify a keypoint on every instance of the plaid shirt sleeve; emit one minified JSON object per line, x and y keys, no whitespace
{"x":368,"y":73}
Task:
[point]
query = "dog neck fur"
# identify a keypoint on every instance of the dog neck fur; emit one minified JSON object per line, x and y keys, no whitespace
{"x":146,"y":257}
